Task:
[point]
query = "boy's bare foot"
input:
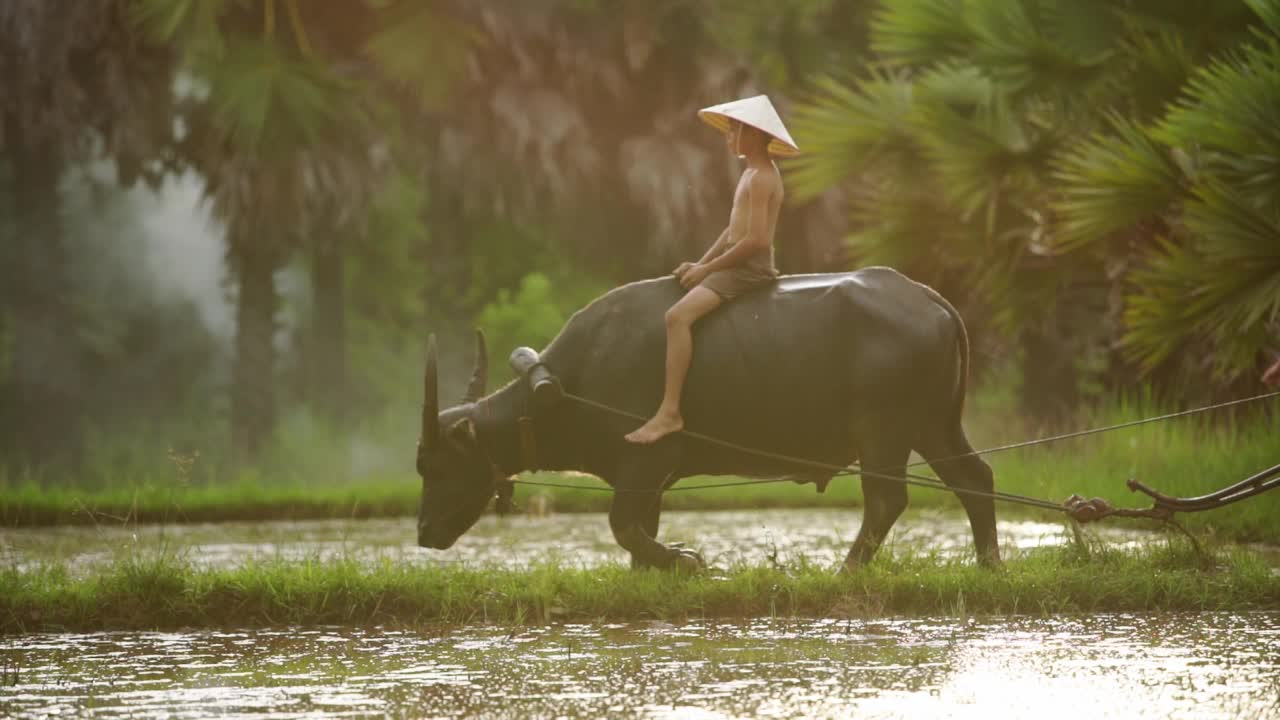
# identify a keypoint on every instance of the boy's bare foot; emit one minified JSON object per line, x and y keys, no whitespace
{"x":658,"y":427}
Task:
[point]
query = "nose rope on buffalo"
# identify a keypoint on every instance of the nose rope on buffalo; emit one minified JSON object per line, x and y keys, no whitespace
{"x":1078,"y":508}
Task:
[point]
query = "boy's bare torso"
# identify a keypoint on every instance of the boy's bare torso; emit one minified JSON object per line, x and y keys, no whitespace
{"x":740,"y":214}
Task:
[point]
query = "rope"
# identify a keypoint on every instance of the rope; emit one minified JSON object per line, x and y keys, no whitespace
{"x":1075,"y":506}
{"x":1107,"y":428}
{"x":909,"y":479}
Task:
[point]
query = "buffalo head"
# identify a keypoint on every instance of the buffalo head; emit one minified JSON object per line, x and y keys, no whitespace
{"x":458,"y":480}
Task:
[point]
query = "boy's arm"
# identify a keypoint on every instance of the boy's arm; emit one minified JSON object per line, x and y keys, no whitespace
{"x":756,"y":238}
{"x":712,"y":252}
{"x":716,"y":248}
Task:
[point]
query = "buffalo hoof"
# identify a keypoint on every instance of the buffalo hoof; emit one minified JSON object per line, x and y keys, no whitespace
{"x":676,"y":557}
{"x":687,"y":561}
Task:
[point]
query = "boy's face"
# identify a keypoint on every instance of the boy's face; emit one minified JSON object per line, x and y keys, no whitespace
{"x":733,"y":138}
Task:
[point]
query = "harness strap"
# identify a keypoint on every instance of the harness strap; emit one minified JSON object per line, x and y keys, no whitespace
{"x":504,"y":487}
{"x":528,"y":443}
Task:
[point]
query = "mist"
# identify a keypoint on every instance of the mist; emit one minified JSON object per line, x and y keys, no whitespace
{"x":184,"y":250}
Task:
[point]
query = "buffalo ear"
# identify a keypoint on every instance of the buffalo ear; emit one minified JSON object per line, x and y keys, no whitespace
{"x":463,"y":434}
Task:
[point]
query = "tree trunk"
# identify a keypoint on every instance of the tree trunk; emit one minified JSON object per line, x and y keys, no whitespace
{"x":447,"y":263}
{"x":1049,"y":375}
{"x":328,"y":357}
{"x":41,"y":386}
{"x":253,"y":405}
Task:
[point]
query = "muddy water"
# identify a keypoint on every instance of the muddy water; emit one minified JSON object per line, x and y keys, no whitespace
{"x":1117,"y":666}
{"x":725,"y":538}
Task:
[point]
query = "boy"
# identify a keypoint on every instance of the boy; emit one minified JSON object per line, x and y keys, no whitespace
{"x":741,"y":259}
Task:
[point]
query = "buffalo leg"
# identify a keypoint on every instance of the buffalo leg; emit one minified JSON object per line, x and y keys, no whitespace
{"x":633,"y":516}
{"x":628,"y":524}
{"x":647,"y":515}
{"x":884,"y":499}
{"x":950,"y":455}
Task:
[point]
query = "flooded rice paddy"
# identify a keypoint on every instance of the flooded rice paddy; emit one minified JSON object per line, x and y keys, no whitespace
{"x":1204,"y":665}
{"x":1103,"y":666}
{"x":724,"y":538}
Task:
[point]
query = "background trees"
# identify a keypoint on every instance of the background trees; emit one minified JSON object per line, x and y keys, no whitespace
{"x":1190,"y":199}
{"x":78,"y":85}
{"x":1093,"y":180}
{"x":282,"y":128}
{"x":1001,"y":151}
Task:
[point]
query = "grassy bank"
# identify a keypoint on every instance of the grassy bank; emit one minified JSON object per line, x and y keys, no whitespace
{"x":164,"y":593}
{"x":29,"y":504}
{"x":1181,"y":457}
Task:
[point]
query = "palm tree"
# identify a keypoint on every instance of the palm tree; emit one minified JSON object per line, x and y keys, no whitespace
{"x":949,"y":156}
{"x":78,"y":86}
{"x":293,"y":130}
{"x":1198,"y":192}
{"x":266,"y":102}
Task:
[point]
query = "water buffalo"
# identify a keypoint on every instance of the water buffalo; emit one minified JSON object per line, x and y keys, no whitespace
{"x":866,"y":366}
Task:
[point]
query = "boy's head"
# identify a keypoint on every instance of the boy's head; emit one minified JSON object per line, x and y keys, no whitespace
{"x":749,"y":121}
{"x":743,"y":139}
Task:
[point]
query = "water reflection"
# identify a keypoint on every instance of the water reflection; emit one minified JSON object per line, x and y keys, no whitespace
{"x":1121,"y":666}
{"x":725,"y":538}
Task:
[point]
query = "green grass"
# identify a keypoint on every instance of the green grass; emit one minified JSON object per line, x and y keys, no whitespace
{"x":1181,"y":457}
{"x":31,"y":504}
{"x":162,"y":593}
{"x":1187,"y":456}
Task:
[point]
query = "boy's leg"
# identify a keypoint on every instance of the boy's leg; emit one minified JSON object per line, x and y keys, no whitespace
{"x":680,"y":319}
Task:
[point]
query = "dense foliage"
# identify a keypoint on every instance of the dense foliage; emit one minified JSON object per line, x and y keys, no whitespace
{"x":1099,"y":175}
{"x":1094,"y":182}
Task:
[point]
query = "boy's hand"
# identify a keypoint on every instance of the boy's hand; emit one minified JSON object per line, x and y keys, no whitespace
{"x":694,"y":275}
{"x":681,"y":269}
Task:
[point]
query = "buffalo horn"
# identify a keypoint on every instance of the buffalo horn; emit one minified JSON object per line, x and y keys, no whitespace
{"x":480,"y":377}
{"x":430,"y":398}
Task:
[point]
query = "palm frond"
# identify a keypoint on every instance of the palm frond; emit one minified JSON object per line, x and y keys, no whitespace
{"x":1239,"y":230}
{"x":1157,"y":321}
{"x":1015,"y":46}
{"x":190,"y":24}
{"x":1084,"y":28}
{"x":901,"y":224}
{"x":1158,"y":60}
{"x":421,"y":49}
{"x":1206,"y":23}
{"x":1222,"y":285}
{"x":982,"y":152}
{"x":1112,"y":182}
{"x":1231,"y":110}
{"x":265,"y":100}
{"x":1231,"y":106}
{"x":1268,"y":11}
{"x":849,"y":127}
{"x":960,"y":87}
{"x":921,"y":32}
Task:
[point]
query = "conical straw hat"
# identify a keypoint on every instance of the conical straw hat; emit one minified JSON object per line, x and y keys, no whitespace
{"x":757,"y":112}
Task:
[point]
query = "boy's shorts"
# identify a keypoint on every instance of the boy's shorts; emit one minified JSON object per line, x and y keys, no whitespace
{"x":731,"y":283}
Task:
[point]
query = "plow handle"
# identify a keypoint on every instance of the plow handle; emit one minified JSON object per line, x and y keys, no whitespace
{"x":1161,"y":499}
